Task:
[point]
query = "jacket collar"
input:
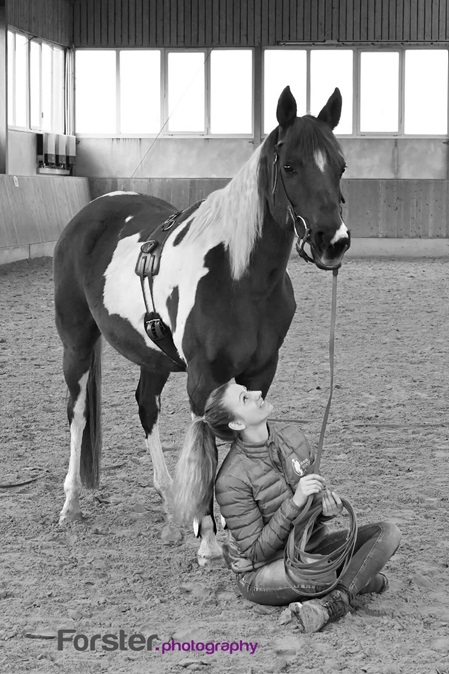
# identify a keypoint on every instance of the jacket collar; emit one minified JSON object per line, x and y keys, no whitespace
{"x":256,"y":449}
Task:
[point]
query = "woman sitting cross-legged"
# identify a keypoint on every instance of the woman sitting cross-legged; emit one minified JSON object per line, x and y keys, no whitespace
{"x":262,"y":486}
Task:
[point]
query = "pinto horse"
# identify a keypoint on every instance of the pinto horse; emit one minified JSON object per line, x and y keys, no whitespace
{"x":222,"y":288}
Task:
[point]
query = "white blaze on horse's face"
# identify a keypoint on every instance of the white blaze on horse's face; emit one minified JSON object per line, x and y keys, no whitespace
{"x":341,"y":233}
{"x":320,"y":160}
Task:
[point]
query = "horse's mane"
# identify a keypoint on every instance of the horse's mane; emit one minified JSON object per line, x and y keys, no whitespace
{"x":236,"y":212}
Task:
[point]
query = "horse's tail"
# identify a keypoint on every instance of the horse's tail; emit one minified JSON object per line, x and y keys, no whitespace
{"x":193,"y":485}
{"x":92,"y":438}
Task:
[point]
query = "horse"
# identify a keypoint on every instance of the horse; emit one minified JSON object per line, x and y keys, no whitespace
{"x":221,"y":293}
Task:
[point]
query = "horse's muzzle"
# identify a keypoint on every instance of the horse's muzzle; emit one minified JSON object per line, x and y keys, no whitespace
{"x":328,"y":257}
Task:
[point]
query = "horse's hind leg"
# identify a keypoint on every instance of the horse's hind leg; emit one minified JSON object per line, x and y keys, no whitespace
{"x":82,"y":372}
{"x":148,"y":398}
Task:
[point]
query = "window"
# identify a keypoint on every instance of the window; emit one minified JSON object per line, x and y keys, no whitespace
{"x":231,"y":98}
{"x":119,"y":92}
{"x":140,"y":91}
{"x":35,"y":84}
{"x":17,"y":80}
{"x":283,"y":67}
{"x":11,"y":86}
{"x":379,"y":92}
{"x":330,"y":68}
{"x":58,"y":88}
{"x":95,"y":79}
{"x":51,"y":89}
{"x":46,"y":85}
{"x":389,"y":91}
{"x":426,"y":91}
{"x":186,"y":92}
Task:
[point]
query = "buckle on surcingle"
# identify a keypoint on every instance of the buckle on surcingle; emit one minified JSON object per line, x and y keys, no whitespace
{"x":155,"y":326}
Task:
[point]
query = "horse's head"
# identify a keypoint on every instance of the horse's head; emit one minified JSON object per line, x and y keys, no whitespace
{"x":303,"y":168}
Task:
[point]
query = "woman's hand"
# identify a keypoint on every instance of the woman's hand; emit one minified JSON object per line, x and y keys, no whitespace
{"x":307,"y":486}
{"x":332,"y":504}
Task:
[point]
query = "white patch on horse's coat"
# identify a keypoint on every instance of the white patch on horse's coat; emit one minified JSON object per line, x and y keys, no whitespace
{"x":122,"y":290}
{"x":72,"y":483}
{"x":122,"y":293}
{"x":118,"y":193}
{"x":130,"y":217}
{"x":234,"y":215}
{"x":320,"y":160}
{"x":341,"y":233}
{"x":114,"y":194}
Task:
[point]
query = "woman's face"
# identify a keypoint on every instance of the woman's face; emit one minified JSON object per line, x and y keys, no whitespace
{"x":246,"y":407}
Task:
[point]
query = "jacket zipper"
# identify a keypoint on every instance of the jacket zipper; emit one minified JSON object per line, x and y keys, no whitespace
{"x":277,"y":469}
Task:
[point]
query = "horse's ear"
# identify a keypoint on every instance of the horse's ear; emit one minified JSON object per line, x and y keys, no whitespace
{"x":286,"y":109}
{"x":331,"y":112}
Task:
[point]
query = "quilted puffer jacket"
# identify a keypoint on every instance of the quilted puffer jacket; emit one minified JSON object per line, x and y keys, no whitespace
{"x":254,"y":489}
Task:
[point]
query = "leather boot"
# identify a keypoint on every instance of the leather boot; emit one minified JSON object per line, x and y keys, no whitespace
{"x":316,"y":613}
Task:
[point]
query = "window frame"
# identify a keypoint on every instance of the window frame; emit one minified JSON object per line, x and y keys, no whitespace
{"x":128,"y":134}
{"x":12,"y":91}
{"x":164,"y":132}
{"x":165,"y":120}
{"x":258,"y":78}
{"x":358,"y":49}
{"x":251,"y":133}
{"x":358,"y":84}
{"x":30,"y":126}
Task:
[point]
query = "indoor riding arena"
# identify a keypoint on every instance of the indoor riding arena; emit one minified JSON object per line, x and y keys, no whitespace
{"x":174,"y":99}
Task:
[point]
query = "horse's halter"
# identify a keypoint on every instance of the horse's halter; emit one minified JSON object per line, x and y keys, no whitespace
{"x":296,"y":219}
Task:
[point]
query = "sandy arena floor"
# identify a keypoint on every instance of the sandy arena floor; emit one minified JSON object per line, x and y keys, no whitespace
{"x":386,"y":449}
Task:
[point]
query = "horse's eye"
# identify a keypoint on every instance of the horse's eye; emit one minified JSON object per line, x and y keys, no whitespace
{"x":288,"y":168}
{"x":344,"y":169}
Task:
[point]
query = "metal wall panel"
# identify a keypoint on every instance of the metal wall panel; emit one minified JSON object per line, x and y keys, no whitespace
{"x":49,"y":19}
{"x":230,"y":23}
{"x":35,"y":210}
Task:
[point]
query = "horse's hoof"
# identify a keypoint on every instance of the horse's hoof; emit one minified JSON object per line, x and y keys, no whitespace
{"x":171,"y":535}
{"x":66,"y":518}
{"x":211,"y":562}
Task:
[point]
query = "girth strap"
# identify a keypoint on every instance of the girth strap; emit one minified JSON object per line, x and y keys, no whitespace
{"x":147,"y":266}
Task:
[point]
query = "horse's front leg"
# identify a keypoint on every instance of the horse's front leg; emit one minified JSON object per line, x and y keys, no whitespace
{"x":148,"y":398}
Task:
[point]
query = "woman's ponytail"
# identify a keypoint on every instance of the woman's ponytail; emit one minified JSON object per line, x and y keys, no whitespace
{"x":193,"y":486}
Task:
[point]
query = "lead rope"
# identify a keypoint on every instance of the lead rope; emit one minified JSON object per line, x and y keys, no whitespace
{"x":306,"y":570}
{"x":316,"y":465}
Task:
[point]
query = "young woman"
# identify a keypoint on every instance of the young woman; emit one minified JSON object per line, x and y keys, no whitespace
{"x":262,"y":486}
